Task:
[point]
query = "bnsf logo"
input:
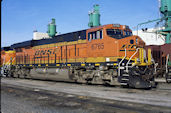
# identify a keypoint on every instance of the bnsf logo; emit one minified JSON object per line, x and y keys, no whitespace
{"x":45,"y":52}
{"x":128,"y":46}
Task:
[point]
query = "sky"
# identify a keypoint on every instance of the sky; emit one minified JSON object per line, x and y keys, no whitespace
{"x":19,"y":18}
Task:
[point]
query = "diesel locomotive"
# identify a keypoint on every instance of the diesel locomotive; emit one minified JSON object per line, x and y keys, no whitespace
{"x":104,"y":54}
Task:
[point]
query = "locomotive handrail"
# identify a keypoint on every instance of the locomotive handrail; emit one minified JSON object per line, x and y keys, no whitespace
{"x":167,"y":59}
{"x":55,"y":58}
{"x":3,"y":61}
{"x":155,"y":67}
{"x":120,"y":63}
{"x":130,"y":59}
{"x":48,"y":58}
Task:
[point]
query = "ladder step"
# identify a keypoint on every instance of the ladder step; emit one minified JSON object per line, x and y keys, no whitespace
{"x":168,"y":79}
{"x":124,"y":83}
{"x":124,"y":71}
{"x":125,"y":79}
{"x":122,"y":67}
{"x":126,"y":75}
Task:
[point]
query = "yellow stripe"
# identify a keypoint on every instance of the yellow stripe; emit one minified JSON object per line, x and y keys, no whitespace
{"x":30,"y":65}
{"x":115,"y":64}
{"x":80,"y":60}
{"x":82,"y":64}
{"x":9,"y":51}
{"x":97,"y":64}
{"x":95,"y":59}
{"x":68,"y":64}
{"x":39,"y":65}
{"x":57,"y":64}
{"x":149,"y":56}
{"x":46,"y":64}
{"x":101,"y":59}
{"x":88,"y":60}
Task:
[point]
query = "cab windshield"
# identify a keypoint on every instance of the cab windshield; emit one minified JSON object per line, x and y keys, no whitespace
{"x":127,"y":33}
{"x":115,"y":33}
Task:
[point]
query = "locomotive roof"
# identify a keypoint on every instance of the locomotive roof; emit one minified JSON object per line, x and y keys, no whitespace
{"x":5,"y":48}
{"x":68,"y":37}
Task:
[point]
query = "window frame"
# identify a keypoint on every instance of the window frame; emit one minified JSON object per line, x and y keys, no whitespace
{"x":95,"y":35}
{"x":116,"y":33}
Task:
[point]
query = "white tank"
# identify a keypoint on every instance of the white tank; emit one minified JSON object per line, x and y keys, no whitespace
{"x":150,"y":37}
{"x":39,"y":35}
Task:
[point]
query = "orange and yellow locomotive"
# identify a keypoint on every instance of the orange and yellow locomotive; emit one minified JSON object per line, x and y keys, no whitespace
{"x":107,"y":54}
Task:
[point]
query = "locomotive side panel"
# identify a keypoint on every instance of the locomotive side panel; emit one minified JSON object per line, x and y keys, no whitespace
{"x":66,"y":53}
{"x":98,"y":47}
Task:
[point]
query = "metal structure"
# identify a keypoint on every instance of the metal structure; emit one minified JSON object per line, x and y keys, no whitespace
{"x":165,"y":9}
{"x":94,"y":17}
{"x":52,"y":28}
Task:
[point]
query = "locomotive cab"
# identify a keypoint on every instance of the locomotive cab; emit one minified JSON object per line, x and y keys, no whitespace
{"x":112,"y":40}
{"x":114,"y":44}
{"x":118,"y":31}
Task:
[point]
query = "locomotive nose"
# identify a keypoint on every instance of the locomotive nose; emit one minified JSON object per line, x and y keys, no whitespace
{"x":139,"y":42}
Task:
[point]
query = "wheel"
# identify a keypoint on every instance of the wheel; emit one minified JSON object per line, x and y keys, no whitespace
{"x":140,"y":79}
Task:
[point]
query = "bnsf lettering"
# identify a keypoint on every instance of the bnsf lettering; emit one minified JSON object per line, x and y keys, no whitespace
{"x":37,"y":52}
{"x":45,"y":52}
{"x":97,"y":46}
{"x":49,"y":51}
{"x":55,"y":50}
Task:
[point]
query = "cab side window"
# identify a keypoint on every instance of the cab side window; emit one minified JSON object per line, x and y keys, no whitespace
{"x":101,"y":34}
{"x":95,"y":35}
{"x":89,"y":36}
